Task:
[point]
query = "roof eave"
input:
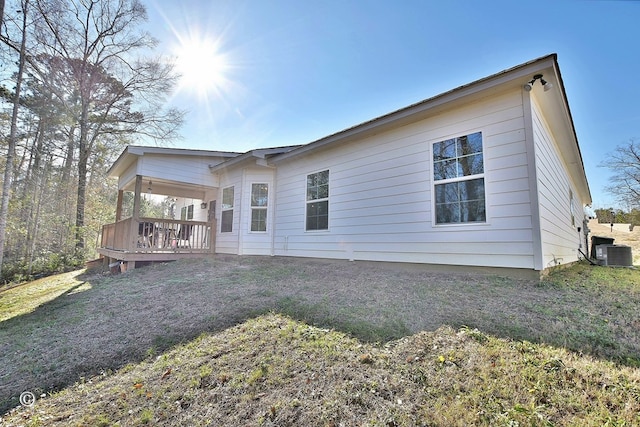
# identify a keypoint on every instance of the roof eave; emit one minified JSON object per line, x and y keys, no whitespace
{"x":253,"y":155}
{"x":409,"y":113}
{"x":580,"y":160}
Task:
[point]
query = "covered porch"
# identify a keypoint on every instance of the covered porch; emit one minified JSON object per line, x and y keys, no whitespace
{"x":156,"y":239}
{"x":147,"y":239}
{"x":180,"y":174}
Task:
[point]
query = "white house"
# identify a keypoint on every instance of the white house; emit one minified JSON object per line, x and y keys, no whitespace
{"x":487,"y":174}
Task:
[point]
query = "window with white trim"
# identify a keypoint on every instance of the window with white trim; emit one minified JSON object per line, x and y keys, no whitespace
{"x":317,"y":209}
{"x":572,"y":208}
{"x":458,"y":176}
{"x":226,"y":220}
{"x":186,"y":213}
{"x":259,"y":202}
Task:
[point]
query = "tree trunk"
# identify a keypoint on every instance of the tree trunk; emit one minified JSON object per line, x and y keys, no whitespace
{"x":39,"y":195}
{"x":13,"y":135}
{"x":83,"y":160}
{"x":68,"y":160}
{"x":34,"y":185}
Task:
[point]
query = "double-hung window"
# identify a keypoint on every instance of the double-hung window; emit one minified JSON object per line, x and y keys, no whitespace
{"x":572,"y":208}
{"x":317,"y":211}
{"x":259,"y":202}
{"x":186,"y":213}
{"x":458,"y":176}
{"x":226,"y":220}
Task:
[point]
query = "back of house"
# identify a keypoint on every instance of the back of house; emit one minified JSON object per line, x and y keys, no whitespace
{"x":488,"y":174}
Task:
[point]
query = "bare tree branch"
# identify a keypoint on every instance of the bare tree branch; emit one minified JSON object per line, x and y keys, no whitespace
{"x":624,"y":163}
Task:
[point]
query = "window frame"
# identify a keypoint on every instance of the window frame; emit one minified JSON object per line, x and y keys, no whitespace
{"x":317,"y":200}
{"x":186,"y":212}
{"x":262,"y":208}
{"x":225,"y":209}
{"x":572,"y":212}
{"x":459,"y":178}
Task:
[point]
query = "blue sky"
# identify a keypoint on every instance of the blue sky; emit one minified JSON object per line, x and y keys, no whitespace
{"x":290,"y":72}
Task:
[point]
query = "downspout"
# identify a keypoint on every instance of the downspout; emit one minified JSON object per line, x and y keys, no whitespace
{"x":532,"y":172}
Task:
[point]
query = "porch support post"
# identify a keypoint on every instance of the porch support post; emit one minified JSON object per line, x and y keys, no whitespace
{"x":119,"y":205}
{"x":133,"y":233}
{"x":136,"y":197}
{"x":212,"y":236}
{"x":130,"y":265}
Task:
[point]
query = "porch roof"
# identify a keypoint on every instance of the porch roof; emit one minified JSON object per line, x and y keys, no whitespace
{"x":132,"y":153}
{"x":168,"y":171}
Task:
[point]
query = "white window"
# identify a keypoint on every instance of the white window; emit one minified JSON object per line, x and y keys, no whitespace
{"x":458,"y":176}
{"x":186,"y":213}
{"x":571,"y":208}
{"x":317,"y":212}
{"x":226,"y":220}
{"x":259,"y":202}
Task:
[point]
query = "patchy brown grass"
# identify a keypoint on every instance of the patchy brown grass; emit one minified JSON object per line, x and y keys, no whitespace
{"x":273,"y":371}
{"x":475,"y":364}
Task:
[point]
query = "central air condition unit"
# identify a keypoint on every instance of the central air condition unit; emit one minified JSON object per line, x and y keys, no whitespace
{"x":597,"y":241}
{"x":601,"y":252}
{"x":614,"y":255}
{"x":619,"y":255}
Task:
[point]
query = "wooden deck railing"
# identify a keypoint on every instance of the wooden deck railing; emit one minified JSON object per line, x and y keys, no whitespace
{"x":158,"y":235}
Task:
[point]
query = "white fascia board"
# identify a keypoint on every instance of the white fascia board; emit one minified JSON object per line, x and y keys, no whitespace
{"x":516,"y":76}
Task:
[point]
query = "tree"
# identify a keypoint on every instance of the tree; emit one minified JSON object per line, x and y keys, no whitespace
{"x":13,"y":134}
{"x":88,"y":86}
{"x":115,"y":90}
{"x":624,"y":163}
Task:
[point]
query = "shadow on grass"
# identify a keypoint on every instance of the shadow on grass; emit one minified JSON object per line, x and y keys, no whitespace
{"x":124,"y":319}
{"x":325,"y":316}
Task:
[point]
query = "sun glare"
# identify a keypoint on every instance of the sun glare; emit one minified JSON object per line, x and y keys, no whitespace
{"x":201,"y":66}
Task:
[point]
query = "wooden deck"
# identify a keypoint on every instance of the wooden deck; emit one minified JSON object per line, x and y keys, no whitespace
{"x":155,"y":240}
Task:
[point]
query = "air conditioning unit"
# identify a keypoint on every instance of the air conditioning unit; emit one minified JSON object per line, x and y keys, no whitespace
{"x":614,"y":255}
{"x":601,"y":254}
{"x":619,"y":255}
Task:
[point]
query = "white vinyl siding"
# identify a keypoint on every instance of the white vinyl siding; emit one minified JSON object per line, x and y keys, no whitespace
{"x":256,"y":242}
{"x":242,"y":240}
{"x":197,"y":212}
{"x":192,"y":170}
{"x":559,"y":236}
{"x":229,"y":243}
{"x":381,"y":197}
{"x":182,"y":169}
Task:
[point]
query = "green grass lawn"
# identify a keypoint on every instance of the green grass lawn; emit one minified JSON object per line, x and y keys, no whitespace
{"x":26,"y":298}
{"x":507,"y":352}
